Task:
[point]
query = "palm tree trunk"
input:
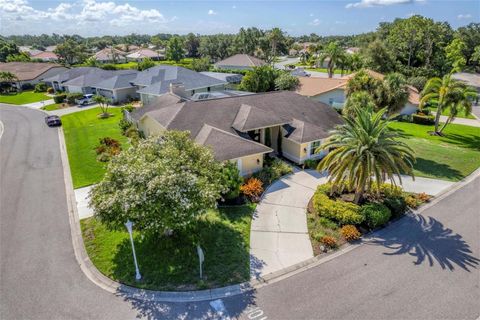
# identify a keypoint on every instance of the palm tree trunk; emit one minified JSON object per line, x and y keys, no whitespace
{"x":445,"y":124}
{"x":437,"y":118}
{"x":359,"y":194}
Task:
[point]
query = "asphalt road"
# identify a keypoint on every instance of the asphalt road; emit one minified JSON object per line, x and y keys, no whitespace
{"x":424,"y":267}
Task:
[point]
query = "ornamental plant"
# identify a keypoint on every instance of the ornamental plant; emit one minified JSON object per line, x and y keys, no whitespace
{"x":376,"y":214}
{"x":329,"y":241}
{"x":161,"y":183}
{"x":252,"y":188}
{"x":350,"y":232}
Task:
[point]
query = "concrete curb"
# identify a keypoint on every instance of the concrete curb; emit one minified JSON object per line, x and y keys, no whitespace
{"x":125,"y":291}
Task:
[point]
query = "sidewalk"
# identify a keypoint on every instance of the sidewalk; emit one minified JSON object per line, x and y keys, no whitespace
{"x":81,"y":197}
{"x":466,"y":122}
{"x":39,"y":104}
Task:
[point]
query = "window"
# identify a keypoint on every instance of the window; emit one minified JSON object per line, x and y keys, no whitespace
{"x":313,"y":146}
{"x":208,"y":89}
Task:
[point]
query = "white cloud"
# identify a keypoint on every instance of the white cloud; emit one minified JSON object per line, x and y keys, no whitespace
{"x":212,"y":13}
{"x":315,"y":22}
{"x":377,"y":3}
{"x":311,"y":14}
{"x":234,"y":7}
{"x":464,"y":16}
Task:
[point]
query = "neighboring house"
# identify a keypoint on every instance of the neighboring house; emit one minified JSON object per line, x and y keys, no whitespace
{"x":241,"y":129}
{"x":239,"y":62}
{"x":231,"y":78}
{"x":143,"y":54}
{"x":155,"y":82}
{"x":127,"y":47}
{"x":352,"y":50}
{"x":31,"y":73}
{"x":46,"y":57}
{"x":29,"y":50}
{"x":113,"y":84}
{"x":50,"y":48}
{"x":109,"y":55}
{"x":331,"y":91}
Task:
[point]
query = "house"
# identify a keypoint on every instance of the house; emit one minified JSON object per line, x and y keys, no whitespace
{"x":31,"y":73}
{"x":127,"y":47}
{"x":29,"y":50}
{"x":113,"y":84}
{"x":470,"y":79}
{"x":155,"y":82}
{"x":352,"y":50}
{"x":143,"y":54}
{"x":50,"y":48}
{"x":46,"y":56}
{"x":239,"y":62}
{"x":110,"y":55}
{"x":331,"y":91}
{"x":231,"y":78}
{"x":242,"y":129}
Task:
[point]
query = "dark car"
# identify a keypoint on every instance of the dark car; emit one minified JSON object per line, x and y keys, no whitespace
{"x":53,"y":121}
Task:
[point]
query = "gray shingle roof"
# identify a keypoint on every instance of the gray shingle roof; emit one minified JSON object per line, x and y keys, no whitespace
{"x":240,"y":60}
{"x":308,"y":120}
{"x":94,"y":77}
{"x":158,"y":79}
{"x":118,"y":81}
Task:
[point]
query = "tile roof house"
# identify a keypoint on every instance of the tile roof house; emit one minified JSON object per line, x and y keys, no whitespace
{"x":46,"y":56}
{"x":155,"y":81}
{"x":239,"y":62}
{"x":30,"y":73}
{"x":107,"y":55}
{"x":113,"y":84}
{"x":143,"y":54}
{"x":332,"y":91}
{"x":242,"y":129}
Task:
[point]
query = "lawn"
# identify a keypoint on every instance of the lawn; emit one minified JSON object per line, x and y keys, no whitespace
{"x":82,"y":133}
{"x":450,"y":157}
{"x":446,"y":112}
{"x":23,"y":97}
{"x":52,"y":107}
{"x":171,"y":263}
{"x":186,"y":63}
{"x":336,"y":71}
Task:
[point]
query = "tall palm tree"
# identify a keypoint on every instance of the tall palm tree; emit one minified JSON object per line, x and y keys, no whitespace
{"x":275,"y":36}
{"x":335,"y":55}
{"x":365,"y":150}
{"x":461,"y":102}
{"x":444,"y":93}
{"x":393,"y":93}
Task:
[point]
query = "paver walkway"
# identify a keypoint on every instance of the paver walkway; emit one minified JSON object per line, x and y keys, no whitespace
{"x":279,"y":235}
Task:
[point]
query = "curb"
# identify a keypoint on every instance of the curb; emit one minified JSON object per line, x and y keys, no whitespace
{"x":92,"y":273}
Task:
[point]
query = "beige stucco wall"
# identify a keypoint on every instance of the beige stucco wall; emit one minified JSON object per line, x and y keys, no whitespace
{"x":291,"y":150}
{"x":249,"y":165}
{"x":149,"y":126}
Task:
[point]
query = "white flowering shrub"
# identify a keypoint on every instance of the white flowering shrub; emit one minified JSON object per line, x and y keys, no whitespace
{"x":159,"y":184}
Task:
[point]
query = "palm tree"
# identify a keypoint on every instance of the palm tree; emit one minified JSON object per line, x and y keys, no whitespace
{"x":444,"y":93}
{"x":365,"y":150}
{"x":462,"y":102}
{"x":393,"y":93}
{"x":335,"y":55}
{"x":103,"y":103}
{"x":275,"y":36}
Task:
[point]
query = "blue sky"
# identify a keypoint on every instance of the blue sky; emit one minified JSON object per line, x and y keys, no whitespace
{"x":101,"y":17}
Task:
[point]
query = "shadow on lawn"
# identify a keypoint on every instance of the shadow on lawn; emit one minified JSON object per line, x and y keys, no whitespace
{"x":466,"y":141}
{"x":438,"y":170}
{"x":427,"y":240}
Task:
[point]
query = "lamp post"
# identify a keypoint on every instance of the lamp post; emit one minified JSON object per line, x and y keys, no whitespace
{"x":129,"y":225}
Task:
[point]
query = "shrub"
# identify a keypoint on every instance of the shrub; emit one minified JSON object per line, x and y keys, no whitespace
{"x":327,"y":223}
{"x":311,"y":163}
{"x":108,"y":66}
{"x":329,"y":241}
{"x":423,"y":119}
{"x":71,"y":97}
{"x":107,"y":148}
{"x":232,"y":180}
{"x":337,"y":210}
{"x":50,"y":90}
{"x":423,"y":197}
{"x":397,"y":205}
{"x":376,"y":214}
{"x":350,"y":232}
{"x":252,"y":188}
{"x":59,"y":98}
{"x":412,"y":201}
{"x":132,"y":133}
{"x":129,"y":107}
{"x":272,"y":172}
{"x":124,"y":125}
{"x":41,"y":87}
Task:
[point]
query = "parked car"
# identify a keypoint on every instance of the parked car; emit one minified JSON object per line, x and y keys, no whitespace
{"x":86,"y":99}
{"x":53,"y":121}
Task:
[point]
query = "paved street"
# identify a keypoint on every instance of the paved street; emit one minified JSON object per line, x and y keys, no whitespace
{"x":423,"y":267}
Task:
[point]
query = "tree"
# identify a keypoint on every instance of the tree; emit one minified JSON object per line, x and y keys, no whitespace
{"x":470,"y":35}
{"x":475,"y":58}
{"x":392,"y":93}
{"x":455,"y":54}
{"x":358,"y":99}
{"x":275,"y":36}
{"x":202,"y":64}
{"x":192,"y":44}
{"x":378,"y":57}
{"x":446,"y":93}
{"x":285,"y":81}
{"x":260,"y":79}
{"x":247,"y":40}
{"x":169,"y":182}
{"x":103,"y":103}
{"x":461,"y":102}
{"x":21,"y":57}
{"x":145,"y":64}
{"x":70,"y":52}
{"x":334,"y":54}
{"x":231,"y":179}
{"x":7,"y":49}
{"x":6,"y":79}
{"x":363,"y":81}
{"x":174,"y":49}
{"x":365,"y":150}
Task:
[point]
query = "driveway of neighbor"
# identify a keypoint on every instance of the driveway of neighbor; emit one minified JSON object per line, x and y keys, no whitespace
{"x":279,"y":235}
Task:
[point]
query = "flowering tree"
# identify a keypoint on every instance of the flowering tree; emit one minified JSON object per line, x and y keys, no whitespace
{"x":162,"y":183}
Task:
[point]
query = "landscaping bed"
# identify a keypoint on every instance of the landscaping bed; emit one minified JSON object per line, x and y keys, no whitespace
{"x":452,"y":156}
{"x":23,"y":97}
{"x":83,"y":131}
{"x":333,"y":218}
{"x":171,"y":262}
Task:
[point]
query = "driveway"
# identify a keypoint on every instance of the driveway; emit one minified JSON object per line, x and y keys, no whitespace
{"x":39,"y":104}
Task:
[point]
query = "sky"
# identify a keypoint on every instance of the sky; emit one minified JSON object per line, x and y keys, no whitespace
{"x":117,"y":17}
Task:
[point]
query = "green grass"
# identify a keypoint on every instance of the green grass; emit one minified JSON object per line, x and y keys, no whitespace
{"x":23,"y":97}
{"x":446,"y":112}
{"x":336,"y":71}
{"x":82,"y":133}
{"x":450,"y":157}
{"x":52,"y":107}
{"x":171,"y":263}
{"x":187,"y":63}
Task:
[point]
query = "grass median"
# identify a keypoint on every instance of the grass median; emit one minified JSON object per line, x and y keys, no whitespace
{"x":23,"y":97}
